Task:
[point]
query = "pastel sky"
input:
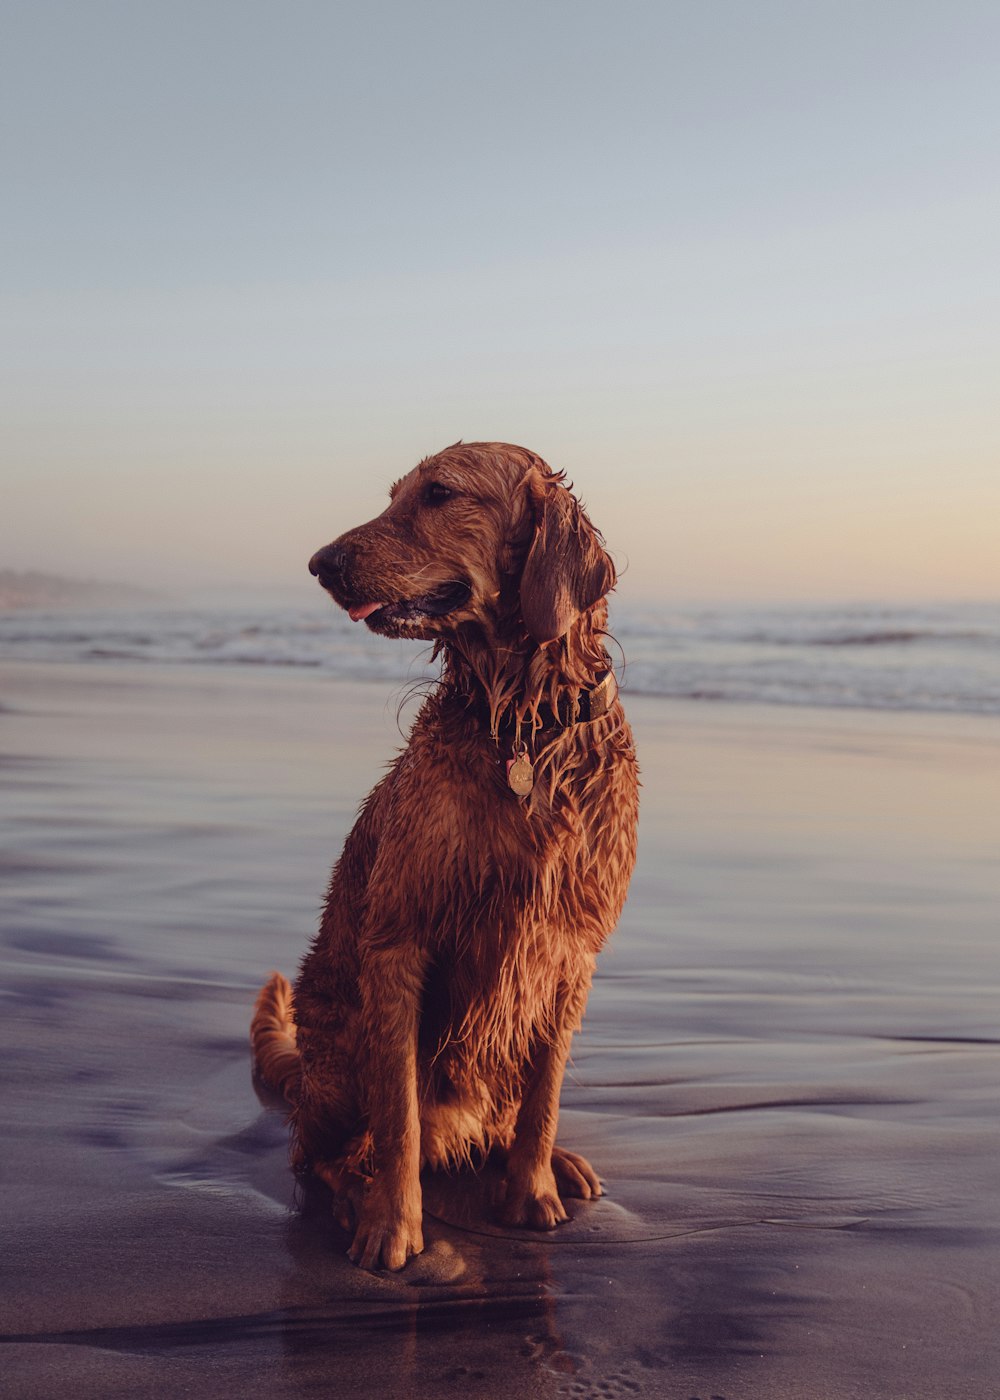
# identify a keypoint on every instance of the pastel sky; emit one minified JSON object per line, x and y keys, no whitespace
{"x":735,"y":266}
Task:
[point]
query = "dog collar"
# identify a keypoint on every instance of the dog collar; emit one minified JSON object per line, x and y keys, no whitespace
{"x":592,"y":703}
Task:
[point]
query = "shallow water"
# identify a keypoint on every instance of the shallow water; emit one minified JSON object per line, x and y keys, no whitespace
{"x":944,"y":657}
{"x":787,"y":1076}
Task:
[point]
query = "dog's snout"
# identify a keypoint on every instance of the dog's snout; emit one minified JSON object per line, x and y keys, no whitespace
{"x":329,"y":563}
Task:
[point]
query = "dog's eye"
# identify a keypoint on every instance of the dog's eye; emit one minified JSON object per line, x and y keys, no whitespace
{"x":436,"y":493}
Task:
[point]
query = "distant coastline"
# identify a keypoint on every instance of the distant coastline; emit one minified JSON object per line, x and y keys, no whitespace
{"x":24,"y":591}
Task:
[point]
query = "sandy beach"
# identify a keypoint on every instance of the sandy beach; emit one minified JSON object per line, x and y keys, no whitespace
{"x":787,"y":1078}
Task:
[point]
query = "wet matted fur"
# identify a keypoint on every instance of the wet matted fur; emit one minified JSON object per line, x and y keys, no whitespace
{"x":432,"y":1018}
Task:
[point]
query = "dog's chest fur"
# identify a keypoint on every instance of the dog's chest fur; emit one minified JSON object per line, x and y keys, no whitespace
{"x":477,"y":854}
{"x":511,"y":899}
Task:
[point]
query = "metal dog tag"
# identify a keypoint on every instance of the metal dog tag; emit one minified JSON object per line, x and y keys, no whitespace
{"x":520,"y":775}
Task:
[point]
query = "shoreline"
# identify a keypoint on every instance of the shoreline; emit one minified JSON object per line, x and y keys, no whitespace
{"x":308,"y":672}
{"x":786,"y":1076}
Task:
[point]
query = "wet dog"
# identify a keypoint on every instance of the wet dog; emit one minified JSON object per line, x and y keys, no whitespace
{"x":432,"y":1018}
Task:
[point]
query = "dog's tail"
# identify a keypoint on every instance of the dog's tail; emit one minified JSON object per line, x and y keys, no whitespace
{"x":272,"y":1037}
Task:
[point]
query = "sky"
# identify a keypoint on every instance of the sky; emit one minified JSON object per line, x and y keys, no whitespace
{"x":734,"y":266}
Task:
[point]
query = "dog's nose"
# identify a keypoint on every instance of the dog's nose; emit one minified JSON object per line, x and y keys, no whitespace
{"x":328,"y":562}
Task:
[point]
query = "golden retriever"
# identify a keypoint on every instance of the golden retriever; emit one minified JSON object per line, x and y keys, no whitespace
{"x":432,"y":1018}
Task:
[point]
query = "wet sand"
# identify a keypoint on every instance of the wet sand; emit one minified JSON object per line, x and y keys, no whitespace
{"x":788,"y":1075}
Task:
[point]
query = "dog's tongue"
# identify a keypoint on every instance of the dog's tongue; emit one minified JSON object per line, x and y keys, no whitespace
{"x":365,"y":610}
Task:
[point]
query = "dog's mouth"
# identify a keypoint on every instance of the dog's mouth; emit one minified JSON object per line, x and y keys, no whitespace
{"x":393,"y":618}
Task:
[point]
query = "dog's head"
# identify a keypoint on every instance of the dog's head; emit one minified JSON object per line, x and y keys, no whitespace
{"x":480,"y":533}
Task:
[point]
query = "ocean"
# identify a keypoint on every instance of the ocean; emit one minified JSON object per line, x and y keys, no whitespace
{"x":943,"y":658}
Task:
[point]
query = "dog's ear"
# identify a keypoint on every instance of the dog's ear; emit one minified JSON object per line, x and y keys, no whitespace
{"x":567,"y":569}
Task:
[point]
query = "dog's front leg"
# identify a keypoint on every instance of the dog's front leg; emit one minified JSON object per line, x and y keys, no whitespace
{"x":530,"y":1194}
{"x":530,"y":1191}
{"x":389,"y":1224}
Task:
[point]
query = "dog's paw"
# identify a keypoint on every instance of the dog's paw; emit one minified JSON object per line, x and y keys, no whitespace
{"x":575,"y":1176}
{"x":388,"y":1233}
{"x":531,"y":1201}
{"x":345,"y":1187}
